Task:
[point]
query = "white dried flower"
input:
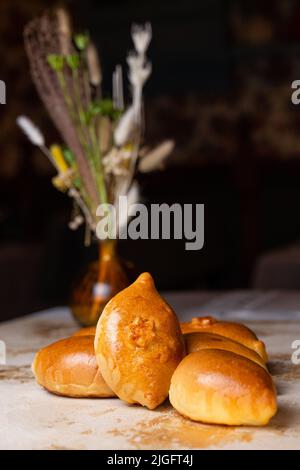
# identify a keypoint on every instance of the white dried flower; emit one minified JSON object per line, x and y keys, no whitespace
{"x":108,"y":160}
{"x":76,"y":222}
{"x":141,"y":36}
{"x":154,"y":159}
{"x":138,"y":71}
{"x":118,"y":97}
{"x":139,"y":67}
{"x":134,"y":61}
{"x":125,"y":126}
{"x":94,"y":66}
{"x":31,"y":131}
{"x":105,"y":131}
{"x":116,"y":161}
{"x":65,"y":30}
{"x":133,"y":197}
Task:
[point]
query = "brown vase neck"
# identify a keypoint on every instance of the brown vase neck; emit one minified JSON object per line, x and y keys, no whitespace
{"x":107,"y":249}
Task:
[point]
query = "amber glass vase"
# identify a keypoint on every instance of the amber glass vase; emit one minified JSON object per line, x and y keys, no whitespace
{"x":101,"y":280}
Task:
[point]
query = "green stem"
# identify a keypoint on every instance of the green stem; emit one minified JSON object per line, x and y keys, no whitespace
{"x":63,"y":85}
{"x":77,"y":95}
{"x":100,"y":169}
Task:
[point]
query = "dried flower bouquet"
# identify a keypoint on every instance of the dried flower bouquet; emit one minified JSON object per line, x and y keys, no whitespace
{"x":101,"y":149}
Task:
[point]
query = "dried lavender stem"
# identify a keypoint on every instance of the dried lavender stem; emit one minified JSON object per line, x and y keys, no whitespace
{"x":46,"y":152}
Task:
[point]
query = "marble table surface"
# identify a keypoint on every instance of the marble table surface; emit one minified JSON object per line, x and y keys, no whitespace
{"x":31,"y":418}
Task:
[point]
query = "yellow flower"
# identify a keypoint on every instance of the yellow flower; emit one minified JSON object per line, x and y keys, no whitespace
{"x":58,"y":158}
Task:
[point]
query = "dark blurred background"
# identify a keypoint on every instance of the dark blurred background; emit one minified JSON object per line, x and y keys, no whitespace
{"x":221,"y":87}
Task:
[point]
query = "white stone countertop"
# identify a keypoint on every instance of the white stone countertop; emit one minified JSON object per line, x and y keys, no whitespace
{"x":31,"y":418}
